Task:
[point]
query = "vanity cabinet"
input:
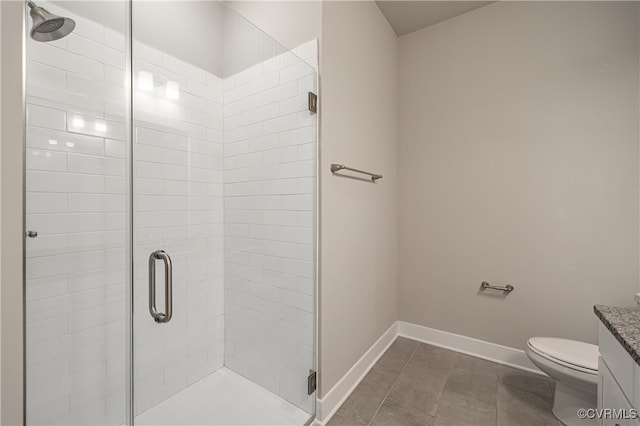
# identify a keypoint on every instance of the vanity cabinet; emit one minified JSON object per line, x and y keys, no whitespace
{"x":618,"y":381}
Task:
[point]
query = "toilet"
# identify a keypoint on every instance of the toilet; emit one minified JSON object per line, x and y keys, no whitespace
{"x":574,"y":366}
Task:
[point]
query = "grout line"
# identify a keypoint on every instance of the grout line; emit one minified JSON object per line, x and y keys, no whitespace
{"x":446,"y":381}
{"x":394,"y":382}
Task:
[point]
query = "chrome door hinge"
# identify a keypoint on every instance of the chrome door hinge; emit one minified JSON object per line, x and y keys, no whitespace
{"x":311,"y":382}
{"x":313,"y":102}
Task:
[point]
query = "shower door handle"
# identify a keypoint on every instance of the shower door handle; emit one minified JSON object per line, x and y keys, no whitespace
{"x":160,"y":317}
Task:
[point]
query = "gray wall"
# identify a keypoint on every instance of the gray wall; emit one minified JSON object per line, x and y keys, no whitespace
{"x":222,"y":40}
{"x":519,"y":164}
{"x":358,"y":295}
{"x":11,"y":154}
{"x":291,"y":23}
{"x":245,"y":45}
{"x":189,"y":30}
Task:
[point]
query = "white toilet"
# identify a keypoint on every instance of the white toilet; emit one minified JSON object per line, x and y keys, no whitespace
{"x":574,"y":366}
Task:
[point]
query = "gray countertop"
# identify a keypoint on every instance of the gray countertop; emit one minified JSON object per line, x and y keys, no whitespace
{"x":624,"y":324}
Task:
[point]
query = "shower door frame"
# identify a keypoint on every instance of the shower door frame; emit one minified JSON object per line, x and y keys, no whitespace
{"x":129,"y":108}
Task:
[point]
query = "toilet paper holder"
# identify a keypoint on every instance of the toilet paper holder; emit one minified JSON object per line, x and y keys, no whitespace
{"x":507,"y":289}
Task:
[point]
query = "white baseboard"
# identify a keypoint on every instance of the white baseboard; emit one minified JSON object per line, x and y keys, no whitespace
{"x":516,"y":358}
{"x":468,"y":345}
{"x":327,"y":406}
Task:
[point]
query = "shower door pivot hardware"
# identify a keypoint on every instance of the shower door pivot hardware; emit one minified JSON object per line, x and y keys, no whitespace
{"x":311,"y":382}
{"x":161,"y":317}
{"x":313,"y":102}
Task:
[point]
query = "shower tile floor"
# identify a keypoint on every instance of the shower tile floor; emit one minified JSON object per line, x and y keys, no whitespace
{"x":224,"y":398}
{"x":418,"y":384}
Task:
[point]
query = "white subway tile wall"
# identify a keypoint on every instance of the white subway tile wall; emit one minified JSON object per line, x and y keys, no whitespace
{"x":269,"y":204}
{"x":233,"y":208}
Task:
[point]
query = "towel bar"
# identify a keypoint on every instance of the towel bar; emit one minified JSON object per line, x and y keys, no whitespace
{"x":507,"y":289}
{"x":338,"y":167}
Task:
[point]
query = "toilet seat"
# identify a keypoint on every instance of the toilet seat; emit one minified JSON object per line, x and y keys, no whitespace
{"x":578,"y":356}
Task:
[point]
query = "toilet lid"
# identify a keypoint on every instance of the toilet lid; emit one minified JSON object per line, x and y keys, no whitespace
{"x":576,"y":353}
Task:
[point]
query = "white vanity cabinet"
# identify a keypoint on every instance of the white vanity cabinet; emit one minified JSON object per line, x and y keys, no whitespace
{"x":618,"y":381}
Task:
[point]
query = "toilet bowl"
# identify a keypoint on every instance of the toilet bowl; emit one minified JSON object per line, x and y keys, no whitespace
{"x":574,"y":366}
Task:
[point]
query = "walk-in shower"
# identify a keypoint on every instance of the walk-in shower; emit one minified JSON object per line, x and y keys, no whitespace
{"x":170,"y":216}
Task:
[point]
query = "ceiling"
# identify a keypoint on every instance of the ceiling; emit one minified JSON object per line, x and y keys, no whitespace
{"x":409,"y":16}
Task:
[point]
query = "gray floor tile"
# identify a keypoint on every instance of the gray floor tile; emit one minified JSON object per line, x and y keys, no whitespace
{"x":338,"y":420}
{"x":418,"y":388}
{"x":476,"y":384}
{"x":429,"y":357}
{"x":395,"y":358}
{"x":363,"y":402}
{"x":459,"y":410}
{"x":534,"y":383}
{"x":468,"y":362}
{"x":418,"y":384}
{"x":392,"y":413}
{"x":517,"y":407}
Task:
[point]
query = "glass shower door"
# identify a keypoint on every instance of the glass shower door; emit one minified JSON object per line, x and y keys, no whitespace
{"x":77,"y":236}
{"x":178,"y":227}
{"x":223,"y":220}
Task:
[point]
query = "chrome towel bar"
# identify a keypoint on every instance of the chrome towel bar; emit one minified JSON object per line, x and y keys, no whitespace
{"x":338,"y":167}
{"x":507,"y":289}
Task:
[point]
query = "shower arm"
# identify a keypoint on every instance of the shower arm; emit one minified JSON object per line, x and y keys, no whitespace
{"x":33,"y":6}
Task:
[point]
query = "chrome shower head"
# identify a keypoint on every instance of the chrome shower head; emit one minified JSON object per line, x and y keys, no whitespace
{"x":47,"y":26}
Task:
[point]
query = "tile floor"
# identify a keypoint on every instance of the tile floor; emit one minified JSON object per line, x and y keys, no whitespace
{"x":418,"y":384}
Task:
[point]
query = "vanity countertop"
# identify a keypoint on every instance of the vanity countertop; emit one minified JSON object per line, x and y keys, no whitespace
{"x":624,"y":324}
